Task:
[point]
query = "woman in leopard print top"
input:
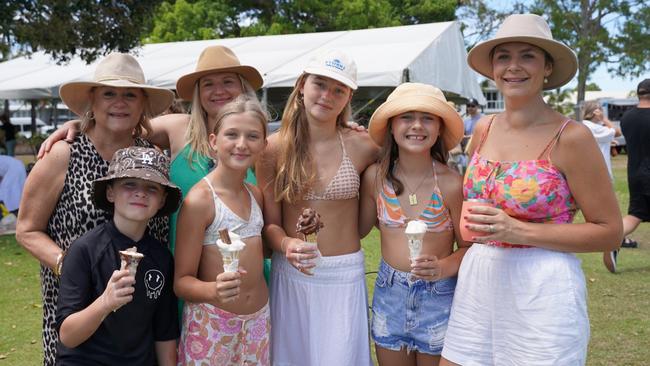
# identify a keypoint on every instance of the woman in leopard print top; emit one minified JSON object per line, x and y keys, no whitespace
{"x":57,"y":207}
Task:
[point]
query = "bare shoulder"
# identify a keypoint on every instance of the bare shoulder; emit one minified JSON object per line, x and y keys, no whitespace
{"x":370,"y":174}
{"x":173,"y":122}
{"x":575,"y":146}
{"x":57,"y":159}
{"x":257,"y":193}
{"x":449,"y":179}
{"x":360,"y":145}
{"x":199,"y":198}
{"x":358,"y":138}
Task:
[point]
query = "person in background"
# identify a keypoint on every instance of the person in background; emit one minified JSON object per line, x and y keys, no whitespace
{"x":603,"y":130}
{"x":108,"y":313}
{"x":10,"y":134}
{"x":635,"y":125}
{"x":115,"y":109}
{"x":473,"y":116}
{"x":521,"y":297}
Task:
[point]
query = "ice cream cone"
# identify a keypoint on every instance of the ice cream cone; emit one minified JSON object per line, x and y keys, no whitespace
{"x":130,"y":259}
{"x":415,"y":231}
{"x":230,"y":246}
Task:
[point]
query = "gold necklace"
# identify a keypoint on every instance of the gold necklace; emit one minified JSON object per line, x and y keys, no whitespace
{"x":413,"y":197}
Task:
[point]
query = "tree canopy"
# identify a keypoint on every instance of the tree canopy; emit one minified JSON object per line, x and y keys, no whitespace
{"x":184,"y":20}
{"x":68,"y":28}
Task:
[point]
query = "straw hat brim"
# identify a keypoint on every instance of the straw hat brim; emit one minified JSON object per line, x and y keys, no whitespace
{"x":452,"y":130}
{"x":76,"y":94}
{"x":565,"y":63}
{"x":172,"y":202}
{"x":185,"y":84}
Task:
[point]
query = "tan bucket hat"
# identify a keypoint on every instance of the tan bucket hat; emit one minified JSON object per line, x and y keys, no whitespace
{"x":142,"y":163}
{"x":118,"y":70}
{"x":216,"y":59}
{"x":531,"y":29}
{"x":422,"y":98}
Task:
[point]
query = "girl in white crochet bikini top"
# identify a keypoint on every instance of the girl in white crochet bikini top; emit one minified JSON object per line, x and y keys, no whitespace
{"x":216,"y":291}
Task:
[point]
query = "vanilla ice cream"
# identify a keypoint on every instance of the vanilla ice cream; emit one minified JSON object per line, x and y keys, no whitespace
{"x":230,"y":252}
{"x":415,"y":231}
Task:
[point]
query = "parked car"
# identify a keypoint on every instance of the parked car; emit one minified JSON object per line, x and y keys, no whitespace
{"x":24,"y":126}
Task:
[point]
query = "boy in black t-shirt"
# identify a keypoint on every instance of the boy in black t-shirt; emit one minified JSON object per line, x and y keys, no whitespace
{"x":107,"y":315}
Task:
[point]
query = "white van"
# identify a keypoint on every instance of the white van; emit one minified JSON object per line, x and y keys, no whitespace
{"x":24,"y":125}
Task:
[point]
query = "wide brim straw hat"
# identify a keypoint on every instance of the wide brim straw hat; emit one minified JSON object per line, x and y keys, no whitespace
{"x":142,"y":163}
{"x":531,"y":29}
{"x":118,"y":70}
{"x":422,"y":98}
{"x":216,"y":59}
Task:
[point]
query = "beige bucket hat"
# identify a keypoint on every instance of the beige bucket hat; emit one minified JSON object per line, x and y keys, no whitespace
{"x":118,"y":70}
{"x":531,"y":29}
{"x":422,"y":98}
{"x":216,"y":59}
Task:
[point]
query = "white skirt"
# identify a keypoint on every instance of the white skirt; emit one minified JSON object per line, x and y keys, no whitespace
{"x":321,"y":319}
{"x":516,"y":306}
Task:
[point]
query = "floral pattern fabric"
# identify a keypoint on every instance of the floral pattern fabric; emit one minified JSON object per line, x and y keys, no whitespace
{"x":212,"y":336}
{"x":528,"y":190}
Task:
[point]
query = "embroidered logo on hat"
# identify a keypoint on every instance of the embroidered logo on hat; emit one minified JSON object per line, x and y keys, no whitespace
{"x":335,"y":63}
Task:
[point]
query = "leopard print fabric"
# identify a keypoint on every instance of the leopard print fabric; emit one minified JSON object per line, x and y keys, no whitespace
{"x":74,"y":214}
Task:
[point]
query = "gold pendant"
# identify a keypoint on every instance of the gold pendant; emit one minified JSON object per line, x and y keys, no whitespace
{"x":413,"y":199}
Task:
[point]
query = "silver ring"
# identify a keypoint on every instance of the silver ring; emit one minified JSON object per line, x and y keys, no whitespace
{"x":299,"y":266}
{"x":492,"y":228}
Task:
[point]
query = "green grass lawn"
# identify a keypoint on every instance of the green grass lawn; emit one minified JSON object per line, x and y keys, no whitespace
{"x":619,"y":304}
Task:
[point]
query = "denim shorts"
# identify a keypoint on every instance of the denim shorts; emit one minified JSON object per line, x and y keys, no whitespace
{"x":410,"y":313}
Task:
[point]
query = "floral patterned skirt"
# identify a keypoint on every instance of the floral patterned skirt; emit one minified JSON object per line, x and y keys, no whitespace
{"x":217,"y":337}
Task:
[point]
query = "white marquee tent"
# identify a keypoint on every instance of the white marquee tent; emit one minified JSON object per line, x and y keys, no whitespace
{"x":428,"y":53}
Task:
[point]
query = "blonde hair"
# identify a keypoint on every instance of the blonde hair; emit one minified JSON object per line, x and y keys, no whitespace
{"x":242,"y":104}
{"x":144,"y":123}
{"x":588,"y":110}
{"x":197,"y":131}
{"x":294,"y":165}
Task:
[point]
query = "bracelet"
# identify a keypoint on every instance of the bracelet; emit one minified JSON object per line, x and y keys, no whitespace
{"x":59,"y":264}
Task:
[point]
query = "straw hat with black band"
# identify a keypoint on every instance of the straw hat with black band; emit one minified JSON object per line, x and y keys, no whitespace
{"x":118,"y":70}
{"x":422,"y":98}
{"x":216,"y":59}
{"x":531,"y":29}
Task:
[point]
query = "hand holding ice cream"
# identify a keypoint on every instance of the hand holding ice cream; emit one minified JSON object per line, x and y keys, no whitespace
{"x":426,"y":267}
{"x":307,"y":256}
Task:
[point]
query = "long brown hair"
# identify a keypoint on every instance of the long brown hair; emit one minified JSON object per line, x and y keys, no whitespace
{"x":389,"y":155}
{"x":294,"y":165}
